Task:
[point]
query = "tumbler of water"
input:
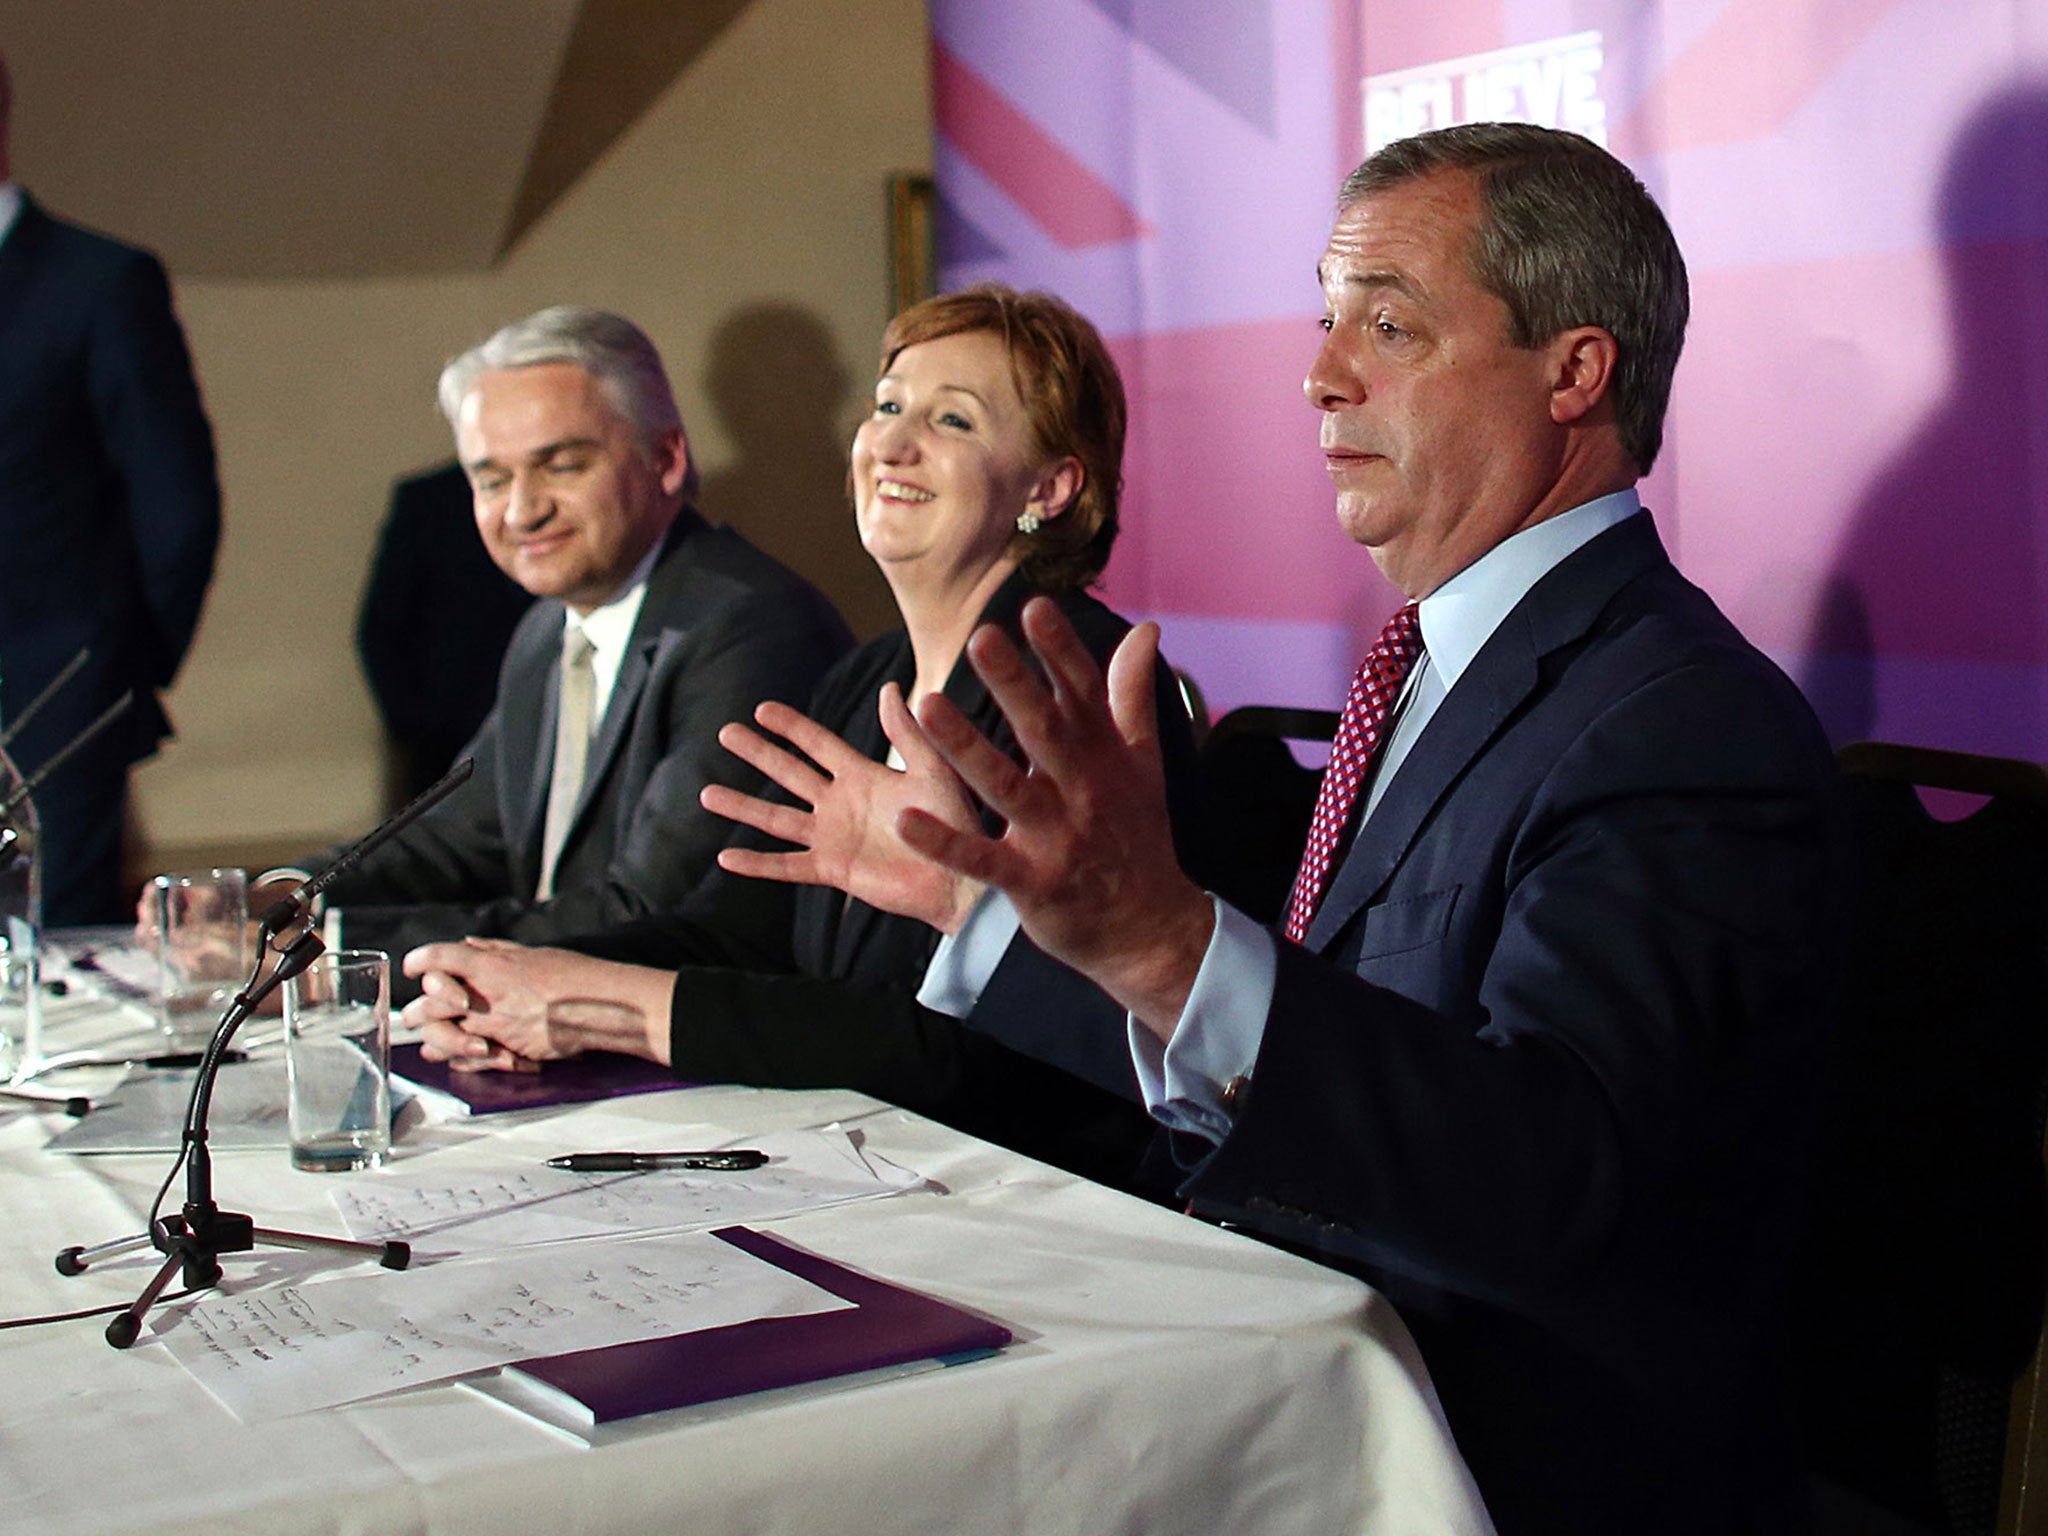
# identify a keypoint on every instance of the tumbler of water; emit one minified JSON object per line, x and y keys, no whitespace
{"x":21,"y":922}
{"x":337,"y":1020}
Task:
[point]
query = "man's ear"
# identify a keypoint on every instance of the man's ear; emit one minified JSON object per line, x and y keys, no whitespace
{"x":672,"y":461}
{"x":1582,"y":362}
{"x":1057,"y":488}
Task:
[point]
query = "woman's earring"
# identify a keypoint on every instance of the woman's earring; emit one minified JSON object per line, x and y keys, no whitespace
{"x":1029,"y":521}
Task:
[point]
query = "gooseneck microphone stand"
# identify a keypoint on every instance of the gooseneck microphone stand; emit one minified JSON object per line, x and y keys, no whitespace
{"x":194,"y":1240}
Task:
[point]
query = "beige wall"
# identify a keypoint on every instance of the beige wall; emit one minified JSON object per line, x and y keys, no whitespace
{"x":741,"y":222}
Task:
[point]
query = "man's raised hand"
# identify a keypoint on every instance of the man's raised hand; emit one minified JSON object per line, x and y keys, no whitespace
{"x":1087,"y":857}
{"x":847,"y":838}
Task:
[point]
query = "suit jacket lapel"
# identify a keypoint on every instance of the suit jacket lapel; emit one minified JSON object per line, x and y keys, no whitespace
{"x":1493,"y":687}
{"x":635,"y":668}
{"x":652,"y":636}
{"x":526,"y":734}
{"x":1557,"y":611}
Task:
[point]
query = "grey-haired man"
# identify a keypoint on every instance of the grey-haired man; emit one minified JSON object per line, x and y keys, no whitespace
{"x":655,"y":628}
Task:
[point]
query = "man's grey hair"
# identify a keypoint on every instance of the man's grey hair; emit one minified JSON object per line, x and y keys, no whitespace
{"x":610,"y":348}
{"x":1568,"y":237}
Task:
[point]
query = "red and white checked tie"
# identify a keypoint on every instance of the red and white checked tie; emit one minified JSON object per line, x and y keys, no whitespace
{"x":1373,"y":692}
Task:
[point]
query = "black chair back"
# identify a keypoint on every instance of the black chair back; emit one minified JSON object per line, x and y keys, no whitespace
{"x":1922,"y":1297}
{"x":1256,"y":804}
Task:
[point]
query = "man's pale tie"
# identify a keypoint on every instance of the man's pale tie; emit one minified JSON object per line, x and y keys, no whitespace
{"x":572,"y":752}
{"x":1373,"y":692}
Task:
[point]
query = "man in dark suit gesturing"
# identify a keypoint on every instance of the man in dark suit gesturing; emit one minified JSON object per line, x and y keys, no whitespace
{"x":656,"y":629}
{"x":1536,"y":1050}
{"x":109,"y":517}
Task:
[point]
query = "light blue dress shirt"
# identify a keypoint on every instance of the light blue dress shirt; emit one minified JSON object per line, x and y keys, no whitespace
{"x":1218,"y":1036}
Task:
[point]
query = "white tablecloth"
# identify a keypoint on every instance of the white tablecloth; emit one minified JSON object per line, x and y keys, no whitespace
{"x":1168,"y":1377}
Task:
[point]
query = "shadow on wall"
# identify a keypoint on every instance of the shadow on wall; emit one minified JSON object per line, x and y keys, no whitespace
{"x":1938,"y":586}
{"x":779,"y":386}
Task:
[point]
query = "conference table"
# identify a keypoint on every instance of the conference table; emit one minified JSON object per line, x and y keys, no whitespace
{"x":1166,"y":1376}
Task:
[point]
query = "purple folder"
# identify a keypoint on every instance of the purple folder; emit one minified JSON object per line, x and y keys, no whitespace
{"x":888,"y":1325}
{"x":575,"y":1080}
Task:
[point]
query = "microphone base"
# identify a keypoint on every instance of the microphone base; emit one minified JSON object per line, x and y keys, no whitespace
{"x":193,"y":1241}
{"x":192,"y":1244}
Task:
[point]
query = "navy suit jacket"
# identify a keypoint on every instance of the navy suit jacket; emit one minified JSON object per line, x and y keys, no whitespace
{"x":109,"y":518}
{"x":722,"y":627}
{"x":1544,"y":1071}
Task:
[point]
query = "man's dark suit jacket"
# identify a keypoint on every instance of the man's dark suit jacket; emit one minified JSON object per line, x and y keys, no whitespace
{"x":109,"y":517}
{"x":1543,"y":1072}
{"x":721,"y":628}
{"x":799,"y":987}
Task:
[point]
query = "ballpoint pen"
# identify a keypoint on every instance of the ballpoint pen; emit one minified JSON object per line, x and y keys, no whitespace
{"x":228,"y":1058}
{"x":162,"y":1059}
{"x":735,"y":1160}
{"x":74,"y":1105}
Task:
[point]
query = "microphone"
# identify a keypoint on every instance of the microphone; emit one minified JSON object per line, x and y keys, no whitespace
{"x":57,"y":759}
{"x":282,"y":914}
{"x":51,"y":689}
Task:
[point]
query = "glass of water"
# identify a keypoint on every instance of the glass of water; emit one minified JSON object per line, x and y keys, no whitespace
{"x":21,"y":919}
{"x":337,"y":1023}
{"x":201,"y":927}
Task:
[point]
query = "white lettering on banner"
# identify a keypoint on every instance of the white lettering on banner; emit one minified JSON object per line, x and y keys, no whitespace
{"x":1555,"y":84}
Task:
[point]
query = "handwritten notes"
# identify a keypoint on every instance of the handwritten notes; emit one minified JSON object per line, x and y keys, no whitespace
{"x":287,"y":1349}
{"x":472,"y":1212}
{"x":495,"y":1279}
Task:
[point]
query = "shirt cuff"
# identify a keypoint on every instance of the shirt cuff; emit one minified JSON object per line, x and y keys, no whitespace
{"x":1184,"y":1080}
{"x":963,"y":963}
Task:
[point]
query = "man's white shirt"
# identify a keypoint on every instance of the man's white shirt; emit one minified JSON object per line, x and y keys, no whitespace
{"x":10,"y":208}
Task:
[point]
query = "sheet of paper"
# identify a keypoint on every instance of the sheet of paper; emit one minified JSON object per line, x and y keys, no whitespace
{"x":290,"y":1348}
{"x":470,"y":1213}
{"x":116,"y":967}
{"x":146,"y":1113}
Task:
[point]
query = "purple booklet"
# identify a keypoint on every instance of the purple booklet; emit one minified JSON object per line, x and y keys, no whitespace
{"x":576,"y":1080}
{"x":887,"y":1326}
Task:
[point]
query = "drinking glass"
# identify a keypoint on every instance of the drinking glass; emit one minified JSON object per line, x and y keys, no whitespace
{"x":201,"y":924}
{"x":337,"y":1030}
